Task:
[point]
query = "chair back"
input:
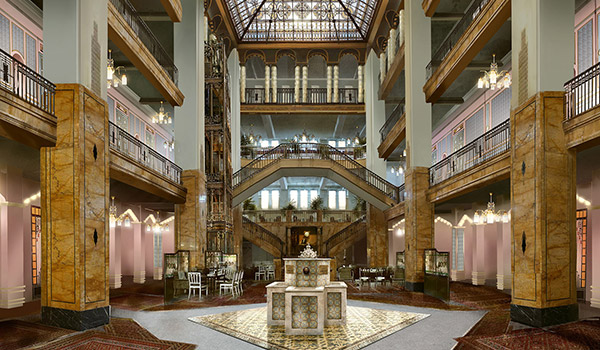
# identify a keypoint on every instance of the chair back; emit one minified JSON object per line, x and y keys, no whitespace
{"x":194,"y":278}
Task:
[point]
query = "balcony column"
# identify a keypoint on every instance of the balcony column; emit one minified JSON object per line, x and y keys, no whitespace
{"x":267,"y":84}
{"x":242,"y":83}
{"x":115,"y":257}
{"x":274,"y":83}
{"x":189,"y":38}
{"x":329,"y":83}
{"x":361,"y":93}
{"x":297,"y":84}
{"x":304,"y":84}
{"x":392,"y":46}
{"x":336,"y":84}
{"x":542,"y":168}
{"x":401,"y":26}
{"x":419,"y":232}
{"x":382,"y":66}
{"x":75,"y":173}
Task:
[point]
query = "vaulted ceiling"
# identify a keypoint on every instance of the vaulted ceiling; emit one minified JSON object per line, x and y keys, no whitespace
{"x":300,"y":20}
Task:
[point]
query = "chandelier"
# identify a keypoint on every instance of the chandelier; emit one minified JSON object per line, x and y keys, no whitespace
{"x":114,"y":75}
{"x":304,"y":137}
{"x":162,"y":117}
{"x":397,"y":170}
{"x":169,"y":145}
{"x":120,"y":220}
{"x":157,"y":226}
{"x":493,"y":79}
{"x":490,"y":216}
{"x":254,"y":139}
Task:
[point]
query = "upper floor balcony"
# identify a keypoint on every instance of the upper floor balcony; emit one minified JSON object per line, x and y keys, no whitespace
{"x":392,"y":132}
{"x":391,"y":62}
{"x":303,"y":216}
{"x":582,"y":109}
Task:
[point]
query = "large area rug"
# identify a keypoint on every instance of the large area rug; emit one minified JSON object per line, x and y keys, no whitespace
{"x":16,"y":334}
{"x":364,"y":326}
{"x":93,"y":340}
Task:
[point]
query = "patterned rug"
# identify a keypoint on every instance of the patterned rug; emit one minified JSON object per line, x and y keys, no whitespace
{"x":93,"y":340}
{"x":15,"y":334}
{"x":364,"y":326}
{"x":582,"y":335}
{"x":127,"y":327}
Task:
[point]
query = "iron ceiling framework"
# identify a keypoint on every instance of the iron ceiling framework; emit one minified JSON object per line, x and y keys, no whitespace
{"x":301,"y":21}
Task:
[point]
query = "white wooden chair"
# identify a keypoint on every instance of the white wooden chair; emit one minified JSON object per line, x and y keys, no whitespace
{"x":270,"y":273}
{"x":224,"y":287}
{"x":237,"y":283}
{"x":195,"y":282}
{"x":260,"y":274}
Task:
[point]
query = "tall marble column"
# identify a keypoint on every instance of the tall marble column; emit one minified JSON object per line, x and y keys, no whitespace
{"x":377,"y":238}
{"x":274,"y":83}
{"x":419,"y":233}
{"x":189,"y":34}
{"x":242,"y":83}
{"x":297,"y":84}
{"x":115,"y":257}
{"x":329,"y":83}
{"x":594,"y":217}
{"x":542,"y":168}
{"x":139,"y":253}
{"x":235,"y":96}
{"x":267,"y":83}
{"x":336,"y":84}
{"x":75,"y":173}
{"x":304,"y":84}
{"x":361,"y":83}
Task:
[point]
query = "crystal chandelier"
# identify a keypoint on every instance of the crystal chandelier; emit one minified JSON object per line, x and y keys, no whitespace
{"x":162,"y":117}
{"x":397,"y":170}
{"x":493,"y":79}
{"x":114,"y":75}
{"x":254,"y":139}
{"x":490,"y":216}
{"x":112,"y":213}
{"x":169,"y":145}
{"x":304,"y":137}
{"x":158,"y":226}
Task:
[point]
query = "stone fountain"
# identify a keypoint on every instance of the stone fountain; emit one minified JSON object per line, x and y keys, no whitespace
{"x":307,"y":300}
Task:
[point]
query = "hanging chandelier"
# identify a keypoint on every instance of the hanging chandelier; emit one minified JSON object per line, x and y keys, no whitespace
{"x":157,"y":226}
{"x":254,"y":139}
{"x":169,"y":145}
{"x":397,"y":170}
{"x":493,"y":79}
{"x":304,"y":138}
{"x":114,"y":75}
{"x":112,"y":213}
{"x":162,"y":117}
{"x":490,"y":216}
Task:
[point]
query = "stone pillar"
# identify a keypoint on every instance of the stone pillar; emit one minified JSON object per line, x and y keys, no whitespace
{"x":594,"y":217}
{"x":235,"y":78}
{"x":419,"y":231}
{"x":297,"y":84}
{"x":115,"y":257}
{"x":374,"y":116}
{"x":243,"y":84}
{"x":382,"y":66}
{"x":12,"y":220}
{"x":361,"y":83}
{"x":377,"y":238}
{"x":274,"y":83}
{"x":401,"y":26}
{"x":238,"y":235}
{"x":267,"y":84}
{"x":190,"y":222}
{"x":157,"y":254}
{"x":329,"y":83}
{"x":336,"y":84}
{"x":503,"y":276}
{"x":139,"y":253}
{"x":542,"y":168}
{"x":484,"y":253}
{"x":391,"y":47}
{"x":304,"y":84}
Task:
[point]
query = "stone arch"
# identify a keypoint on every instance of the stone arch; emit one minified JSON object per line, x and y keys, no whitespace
{"x":318,"y":52}
{"x":392,"y":19}
{"x":255,"y":53}
{"x":285,"y":52}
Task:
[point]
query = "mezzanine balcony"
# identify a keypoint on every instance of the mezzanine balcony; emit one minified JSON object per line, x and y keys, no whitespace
{"x":582,"y":109}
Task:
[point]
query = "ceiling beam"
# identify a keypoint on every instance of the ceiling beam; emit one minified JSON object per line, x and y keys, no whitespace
{"x":447,"y":16}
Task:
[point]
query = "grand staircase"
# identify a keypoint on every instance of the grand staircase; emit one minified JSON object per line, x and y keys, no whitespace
{"x":263,"y":238}
{"x":346,"y":237}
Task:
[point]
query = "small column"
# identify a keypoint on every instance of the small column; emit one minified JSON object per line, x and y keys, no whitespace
{"x":382,"y":66}
{"x":336,"y":84}
{"x":242,"y":83}
{"x":389,"y":52}
{"x":392,"y":46}
{"x":115,"y":257}
{"x":139,"y":254}
{"x":304,"y":84}
{"x":361,"y":93}
{"x":274,"y":84}
{"x":267,"y":84}
{"x":329,"y":83}
{"x":205,"y":36}
{"x":297,"y":84}
{"x":401,"y":26}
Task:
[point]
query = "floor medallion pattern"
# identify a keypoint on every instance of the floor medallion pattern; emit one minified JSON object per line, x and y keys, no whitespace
{"x":364,"y":326}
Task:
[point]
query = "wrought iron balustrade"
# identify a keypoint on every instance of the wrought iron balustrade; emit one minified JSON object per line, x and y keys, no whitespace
{"x":474,"y":10}
{"x":314,"y":96}
{"x":485,"y":147}
{"x":252,"y":152}
{"x":582,"y":93}
{"x":347,"y":233}
{"x":127,"y":145}
{"x":26,"y":84}
{"x":261,"y":233}
{"x":314,"y":151}
{"x":131,"y":16}
{"x":402,"y":192}
{"x":391,"y":121}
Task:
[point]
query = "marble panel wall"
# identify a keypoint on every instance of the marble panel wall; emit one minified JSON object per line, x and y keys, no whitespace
{"x":377,"y":237}
{"x":190,"y":218}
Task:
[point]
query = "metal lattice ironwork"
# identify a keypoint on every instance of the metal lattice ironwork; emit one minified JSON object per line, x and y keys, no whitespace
{"x":283,"y":20}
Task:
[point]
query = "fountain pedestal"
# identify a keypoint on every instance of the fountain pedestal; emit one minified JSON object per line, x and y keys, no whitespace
{"x":307,"y":301}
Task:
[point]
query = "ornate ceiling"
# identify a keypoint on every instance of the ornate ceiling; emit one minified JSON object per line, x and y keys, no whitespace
{"x":301,"y":21}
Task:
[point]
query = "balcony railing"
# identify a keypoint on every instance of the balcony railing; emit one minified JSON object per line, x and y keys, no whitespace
{"x":474,"y":10}
{"x":582,"y":93}
{"x":314,"y":96}
{"x":391,"y":121}
{"x":252,"y":152}
{"x":346,"y":234}
{"x":280,"y":215}
{"x":402,"y":192}
{"x":261,"y":233}
{"x":487,"y":146}
{"x":314,"y":151}
{"x":127,"y":145}
{"x":26,"y":84}
{"x":140,"y":28}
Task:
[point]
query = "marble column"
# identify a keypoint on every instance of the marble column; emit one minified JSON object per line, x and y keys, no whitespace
{"x":243,"y":84}
{"x":274,"y":84}
{"x":503,"y":276}
{"x":329,"y":83}
{"x":115,"y":257}
{"x":484,"y":253}
{"x":542,"y":168}
{"x":336,"y":84}
{"x":297,"y":84}
{"x":238,"y":234}
{"x":391,"y":47}
{"x":75,"y":173}
{"x":382,"y":66}
{"x":267,"y":84}
{"x":593,"y":239}
{"x":361,"y":83}
{"x":304,"y":84}
{"x":235,"y":95}
{"x":190,"y":222}
{"x":401,"y":26}
{"x":419,"y":232}
{"x":139,"y":253}
{"x":377,"y":237}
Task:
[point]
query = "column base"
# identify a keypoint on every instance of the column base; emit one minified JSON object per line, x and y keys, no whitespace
{"x":414,"y":286}
{"x":544,"y":317}
{"x":478,"y":278}
{"x":12,"y":297}
{"x":503,"y":282}
{"x":115,"y":281}
{"x":158,"y":274}
{"x":457,"y":275}
{"x":76,"y":320}
{"x":139,"y":277}
{"x":595,"y":299}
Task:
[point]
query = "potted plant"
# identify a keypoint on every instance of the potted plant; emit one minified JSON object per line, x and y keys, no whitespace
{"x":316,"y":203}
{"x":249,"y":205}
{"x":360,"y":206}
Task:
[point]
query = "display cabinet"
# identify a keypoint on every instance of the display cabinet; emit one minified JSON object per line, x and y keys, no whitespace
{"x":399,"y":269}
{"x":437,"y":279}
{"x":175,"y":268}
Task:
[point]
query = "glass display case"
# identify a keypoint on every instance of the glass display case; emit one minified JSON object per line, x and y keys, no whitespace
{"x":399,"y":270}
{"x":437,"y":279}
{"x":213,"y":259}
{"x":229,"y":261}
{"x":176,"y":266}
